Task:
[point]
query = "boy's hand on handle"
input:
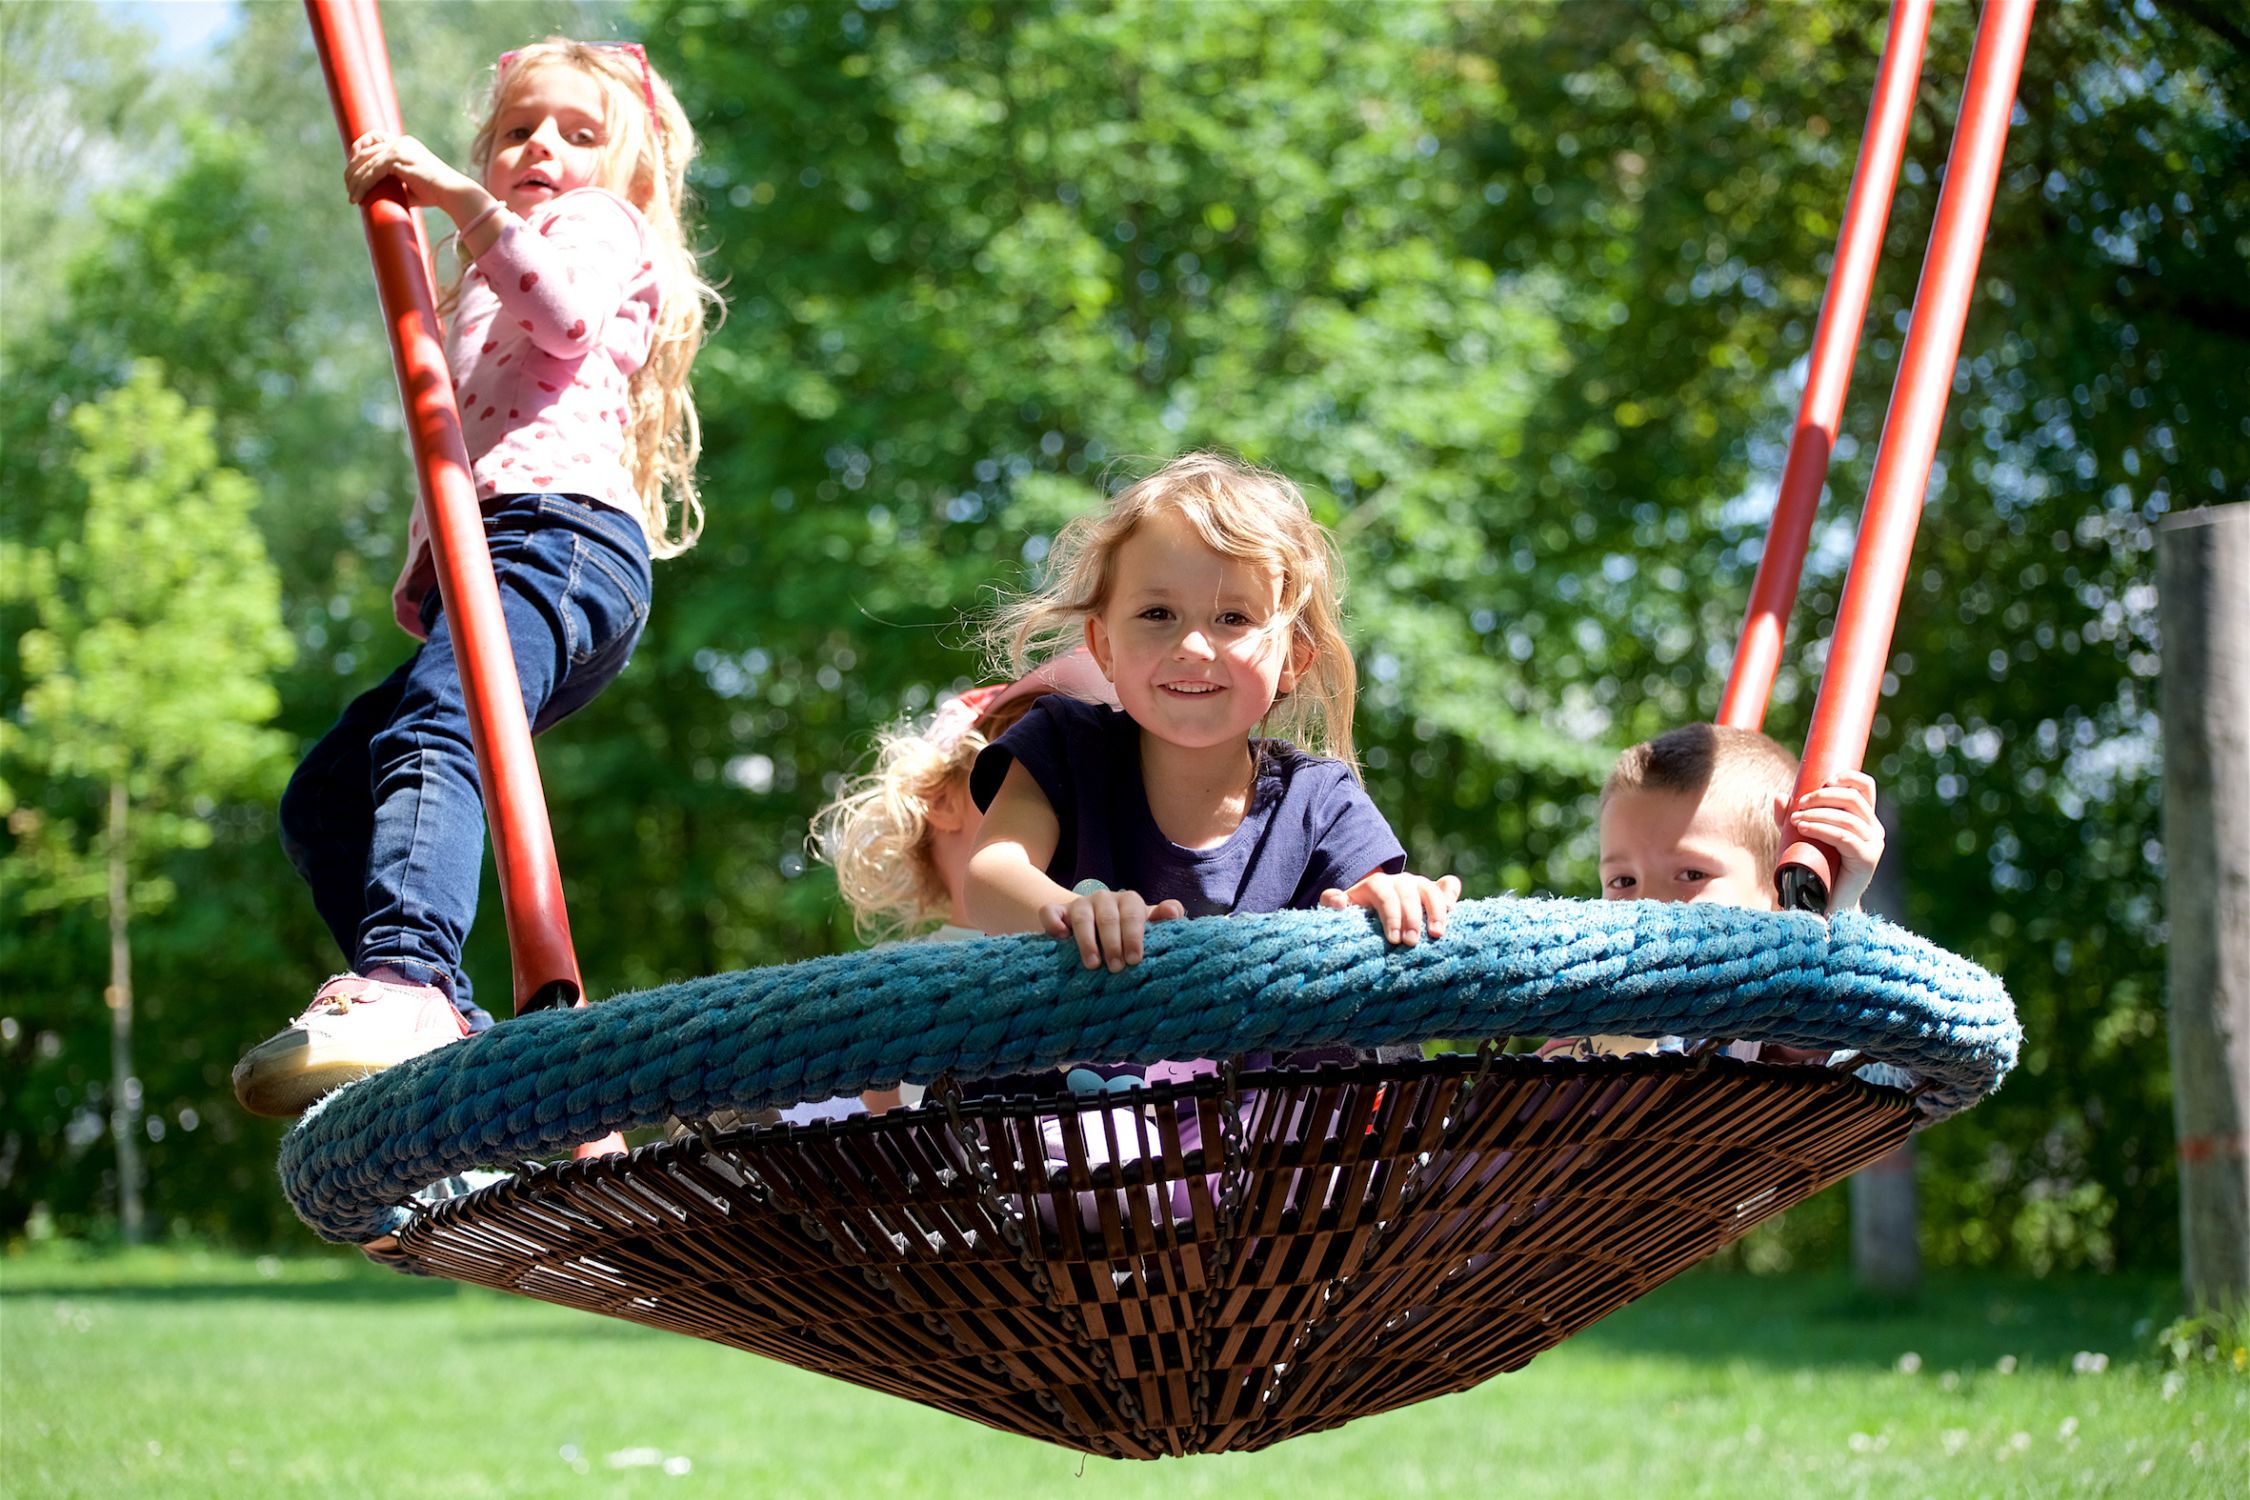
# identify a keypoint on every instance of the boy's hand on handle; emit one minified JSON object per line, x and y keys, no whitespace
{"x":430,"y":182}
{"x":1107,"y":925}
{"x":1408,"y":904}
{"x":1840,"y":813}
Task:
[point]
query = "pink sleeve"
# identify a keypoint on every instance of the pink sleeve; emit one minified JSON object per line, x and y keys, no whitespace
{"x":563,"y":275}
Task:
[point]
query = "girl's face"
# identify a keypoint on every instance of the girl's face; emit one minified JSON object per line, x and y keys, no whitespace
{"x":1193,"y":641}
{"x":549,"y":137}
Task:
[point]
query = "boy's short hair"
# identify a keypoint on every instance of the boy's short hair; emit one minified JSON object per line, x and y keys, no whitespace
{"x":1744,"y":770}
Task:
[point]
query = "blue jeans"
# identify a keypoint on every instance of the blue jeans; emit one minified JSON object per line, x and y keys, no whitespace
{"x":385,"y":819}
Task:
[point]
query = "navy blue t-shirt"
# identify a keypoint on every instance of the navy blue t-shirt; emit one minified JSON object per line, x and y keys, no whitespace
{"x":1309,"y":826}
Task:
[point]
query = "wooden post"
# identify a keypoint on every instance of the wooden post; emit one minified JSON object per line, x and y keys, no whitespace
{"x":2203,"y":609}
{"x":1886,"y":1212}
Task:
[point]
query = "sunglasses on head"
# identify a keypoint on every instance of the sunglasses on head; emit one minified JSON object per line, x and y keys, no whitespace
{"x":634,"y":49}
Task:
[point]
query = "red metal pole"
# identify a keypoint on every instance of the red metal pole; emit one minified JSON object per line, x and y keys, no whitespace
{"x":347,"y":34}
{"x":1861,"y":645}
{"x":1843,"y":312}
{"x":368,"y":28}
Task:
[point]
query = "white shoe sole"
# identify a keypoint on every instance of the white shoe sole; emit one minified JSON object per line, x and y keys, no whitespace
{"x":285,"y":1075}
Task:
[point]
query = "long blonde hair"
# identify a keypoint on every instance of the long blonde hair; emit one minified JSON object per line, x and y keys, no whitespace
{"x":644,"y":160}
{"x":1242,"y":512}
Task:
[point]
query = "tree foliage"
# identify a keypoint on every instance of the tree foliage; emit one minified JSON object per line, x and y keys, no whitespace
{"x":146,"y":686}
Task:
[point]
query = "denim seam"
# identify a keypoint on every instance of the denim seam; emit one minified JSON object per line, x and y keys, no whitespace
{"x":633,"y":590}
{"x":411,"y":878}
{"x":569,"y":593}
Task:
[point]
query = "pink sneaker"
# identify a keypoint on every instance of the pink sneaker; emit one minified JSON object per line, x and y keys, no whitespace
{"x":353,"y":1027}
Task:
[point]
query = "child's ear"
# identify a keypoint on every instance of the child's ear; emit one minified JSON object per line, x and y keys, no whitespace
{"x":948,"y":809}
{"x":1781,"y":810}
{"x":1299,"y":663}
{"x":1097,"y":643}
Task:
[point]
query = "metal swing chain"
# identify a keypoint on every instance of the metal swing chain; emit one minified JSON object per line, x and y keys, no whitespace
{"x":948,"y":1093}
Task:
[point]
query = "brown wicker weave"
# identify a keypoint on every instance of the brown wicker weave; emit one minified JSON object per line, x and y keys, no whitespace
{"x":1365,"y":1238}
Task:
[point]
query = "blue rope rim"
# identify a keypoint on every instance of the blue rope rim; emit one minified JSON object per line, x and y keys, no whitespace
{"x":1216,"y":987}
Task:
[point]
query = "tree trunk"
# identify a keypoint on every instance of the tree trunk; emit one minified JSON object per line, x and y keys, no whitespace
{"x":1886,"y":1250}
{"x":124,"y":1088}
{"x":2203,"y":609}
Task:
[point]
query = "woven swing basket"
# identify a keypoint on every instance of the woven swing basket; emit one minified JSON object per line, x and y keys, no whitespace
{"x":1352,"y":1240}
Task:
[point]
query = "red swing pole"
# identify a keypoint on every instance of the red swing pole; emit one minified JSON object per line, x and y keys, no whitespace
{"x":348,"y":37}
{"x":1843,"y":313}
{"x":1844,"y":716}
{"x":367,"y":28}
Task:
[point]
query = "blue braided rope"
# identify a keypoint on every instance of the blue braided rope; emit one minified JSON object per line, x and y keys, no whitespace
{"x":1218,"y":987}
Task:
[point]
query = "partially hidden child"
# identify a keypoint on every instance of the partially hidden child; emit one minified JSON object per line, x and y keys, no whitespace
{"x":570,"y":334}
{"x":900,"y":834}
{"x":1702,"y":813}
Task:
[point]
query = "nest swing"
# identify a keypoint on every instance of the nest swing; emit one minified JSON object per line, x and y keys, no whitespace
{"x":1238,"y":1259}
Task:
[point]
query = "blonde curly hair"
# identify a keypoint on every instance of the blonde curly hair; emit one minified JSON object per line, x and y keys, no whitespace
{"x":876,"y":831}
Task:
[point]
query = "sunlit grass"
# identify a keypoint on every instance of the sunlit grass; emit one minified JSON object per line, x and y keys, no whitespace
{"x":186,"y":1373}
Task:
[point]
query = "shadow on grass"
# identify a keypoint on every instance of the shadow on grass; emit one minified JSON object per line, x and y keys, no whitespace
{"x":1810,"y":1321}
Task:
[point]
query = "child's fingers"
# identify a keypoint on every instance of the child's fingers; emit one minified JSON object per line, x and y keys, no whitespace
{"x":1167,"y":911}
{"x":1132,"y":922}
{"x":1842,"y":792}
{"x":1055,"y":919}
{"x":1333,"y":899}
{"x":1088,"y":935}
{"x":1839,"y":824}
{"x":1825,"y":830}
{"x":1434,"y":905}
{"x":1413,"y":910}
{"x":1392,"y":910}
{"x":1109,"y":927}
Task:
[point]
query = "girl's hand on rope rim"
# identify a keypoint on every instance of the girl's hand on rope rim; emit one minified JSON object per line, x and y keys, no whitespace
{"x":1840,"y":813}
{"x":1408,"y":904}
{"x":1108,"y":926}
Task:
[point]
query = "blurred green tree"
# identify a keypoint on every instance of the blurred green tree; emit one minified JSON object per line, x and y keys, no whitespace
{"x":77,"y":85}
{"x":147,"y":674}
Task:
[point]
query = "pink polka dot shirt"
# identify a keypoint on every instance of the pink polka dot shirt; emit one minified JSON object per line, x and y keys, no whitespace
{"x":552,"y":322}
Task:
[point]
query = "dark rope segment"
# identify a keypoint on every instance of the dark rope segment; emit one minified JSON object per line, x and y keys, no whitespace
{"x":1218,"y":987}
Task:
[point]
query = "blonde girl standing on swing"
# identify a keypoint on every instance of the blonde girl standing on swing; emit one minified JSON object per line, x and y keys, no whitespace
{"x":571,"y":330}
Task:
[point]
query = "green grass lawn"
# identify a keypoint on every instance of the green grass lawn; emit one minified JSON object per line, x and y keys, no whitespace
{"x":179,"y":1373}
